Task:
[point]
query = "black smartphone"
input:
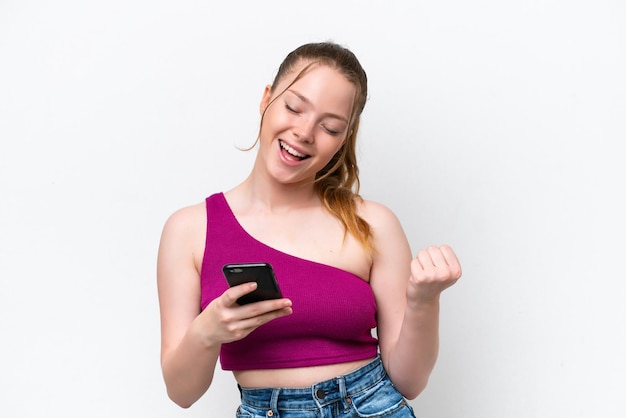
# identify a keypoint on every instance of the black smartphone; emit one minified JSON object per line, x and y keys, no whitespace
{"x":262,"y":273}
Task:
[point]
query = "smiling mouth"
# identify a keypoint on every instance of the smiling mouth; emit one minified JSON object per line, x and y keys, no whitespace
{"x":292,"y":151}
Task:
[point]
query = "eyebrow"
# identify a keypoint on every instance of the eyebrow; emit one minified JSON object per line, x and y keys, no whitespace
{"x":304,"y":99}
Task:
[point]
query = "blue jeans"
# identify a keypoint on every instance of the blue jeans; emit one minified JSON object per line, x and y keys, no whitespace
{"x":365,"y":392}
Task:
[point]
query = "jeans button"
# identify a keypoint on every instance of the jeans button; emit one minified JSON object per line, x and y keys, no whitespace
{"x":320,"y":394}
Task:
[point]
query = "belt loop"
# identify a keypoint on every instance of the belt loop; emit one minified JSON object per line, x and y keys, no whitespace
{"x":344,"y":394}
{"x":273,"y":412}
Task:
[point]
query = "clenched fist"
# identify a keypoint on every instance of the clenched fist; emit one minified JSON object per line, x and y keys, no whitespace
{"x":432,"y":271}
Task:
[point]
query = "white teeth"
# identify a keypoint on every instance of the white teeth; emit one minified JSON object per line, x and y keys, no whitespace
{"x":291,"y":150}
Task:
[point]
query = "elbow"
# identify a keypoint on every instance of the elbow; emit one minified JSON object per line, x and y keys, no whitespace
{"x":181,"y":389}
{"x":412,"y":391}
{"x":411,"y":395}
{"x":182,"y":395}
{"x":183,"y":405}
{"x":180,"y":400}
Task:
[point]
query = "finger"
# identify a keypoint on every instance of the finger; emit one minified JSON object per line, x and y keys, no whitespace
{"x":232,"y":294}
{"x":267,"y":305}
{"x":437,"y":257}
{"x":254,"y":321}
{"x":452,"y":260}
{"x":424,"y":259}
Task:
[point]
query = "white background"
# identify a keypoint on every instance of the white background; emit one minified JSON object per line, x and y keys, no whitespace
{"x":494,"y":126}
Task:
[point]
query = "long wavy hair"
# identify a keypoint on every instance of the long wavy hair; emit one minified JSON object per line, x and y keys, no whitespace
{"x":337,"y":184}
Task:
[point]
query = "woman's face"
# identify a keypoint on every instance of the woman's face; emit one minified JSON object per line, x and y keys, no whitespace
{"x":307,"y":124}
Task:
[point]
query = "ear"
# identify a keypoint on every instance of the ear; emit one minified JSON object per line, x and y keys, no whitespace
{"x":265,"y":101}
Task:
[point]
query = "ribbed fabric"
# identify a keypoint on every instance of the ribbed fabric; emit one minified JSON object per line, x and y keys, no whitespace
{"x":334,"y":311}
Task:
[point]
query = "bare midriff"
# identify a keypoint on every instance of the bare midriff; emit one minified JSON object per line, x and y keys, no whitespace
{"x":298,"y":377}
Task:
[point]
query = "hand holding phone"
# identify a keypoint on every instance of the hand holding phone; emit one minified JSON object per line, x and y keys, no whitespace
{"x":261,"y":273}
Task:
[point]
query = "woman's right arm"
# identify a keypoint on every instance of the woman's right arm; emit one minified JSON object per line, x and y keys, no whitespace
{"x":190,"y":339}
{"x":188,"y":358}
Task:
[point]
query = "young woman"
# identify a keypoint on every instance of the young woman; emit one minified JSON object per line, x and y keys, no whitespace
{"x":343,"y":264}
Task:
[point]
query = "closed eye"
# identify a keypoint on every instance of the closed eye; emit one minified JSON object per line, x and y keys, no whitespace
{"x":331,"y":131}
{"x":291,"y":109}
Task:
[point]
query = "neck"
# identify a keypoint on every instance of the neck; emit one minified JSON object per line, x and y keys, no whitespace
{"x":279,"y":196}
{"x":265,"y":194}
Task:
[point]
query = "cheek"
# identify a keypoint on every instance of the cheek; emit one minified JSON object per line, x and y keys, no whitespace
{"x":271,"y":123}
{"x":340,"y":143}
{"x":276,"y":117}
{"x":334,"y":150}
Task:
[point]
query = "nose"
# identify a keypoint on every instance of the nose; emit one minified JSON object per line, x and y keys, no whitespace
{"x":304,"y":130}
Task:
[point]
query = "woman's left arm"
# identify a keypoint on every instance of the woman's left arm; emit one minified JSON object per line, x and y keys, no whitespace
{"x":407,"y":294}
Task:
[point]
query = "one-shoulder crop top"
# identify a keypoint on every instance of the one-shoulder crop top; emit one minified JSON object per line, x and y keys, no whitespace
{"x":334,"y":311}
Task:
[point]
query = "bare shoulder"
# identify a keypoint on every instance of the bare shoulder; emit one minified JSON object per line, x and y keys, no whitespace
{"x":389,"y":240}
{"x":377,"y":215}
{"x":185,"y":231}
{"x":186,"y":219}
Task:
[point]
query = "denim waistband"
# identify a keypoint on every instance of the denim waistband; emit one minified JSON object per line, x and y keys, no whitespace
{"x":320,"y":394}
